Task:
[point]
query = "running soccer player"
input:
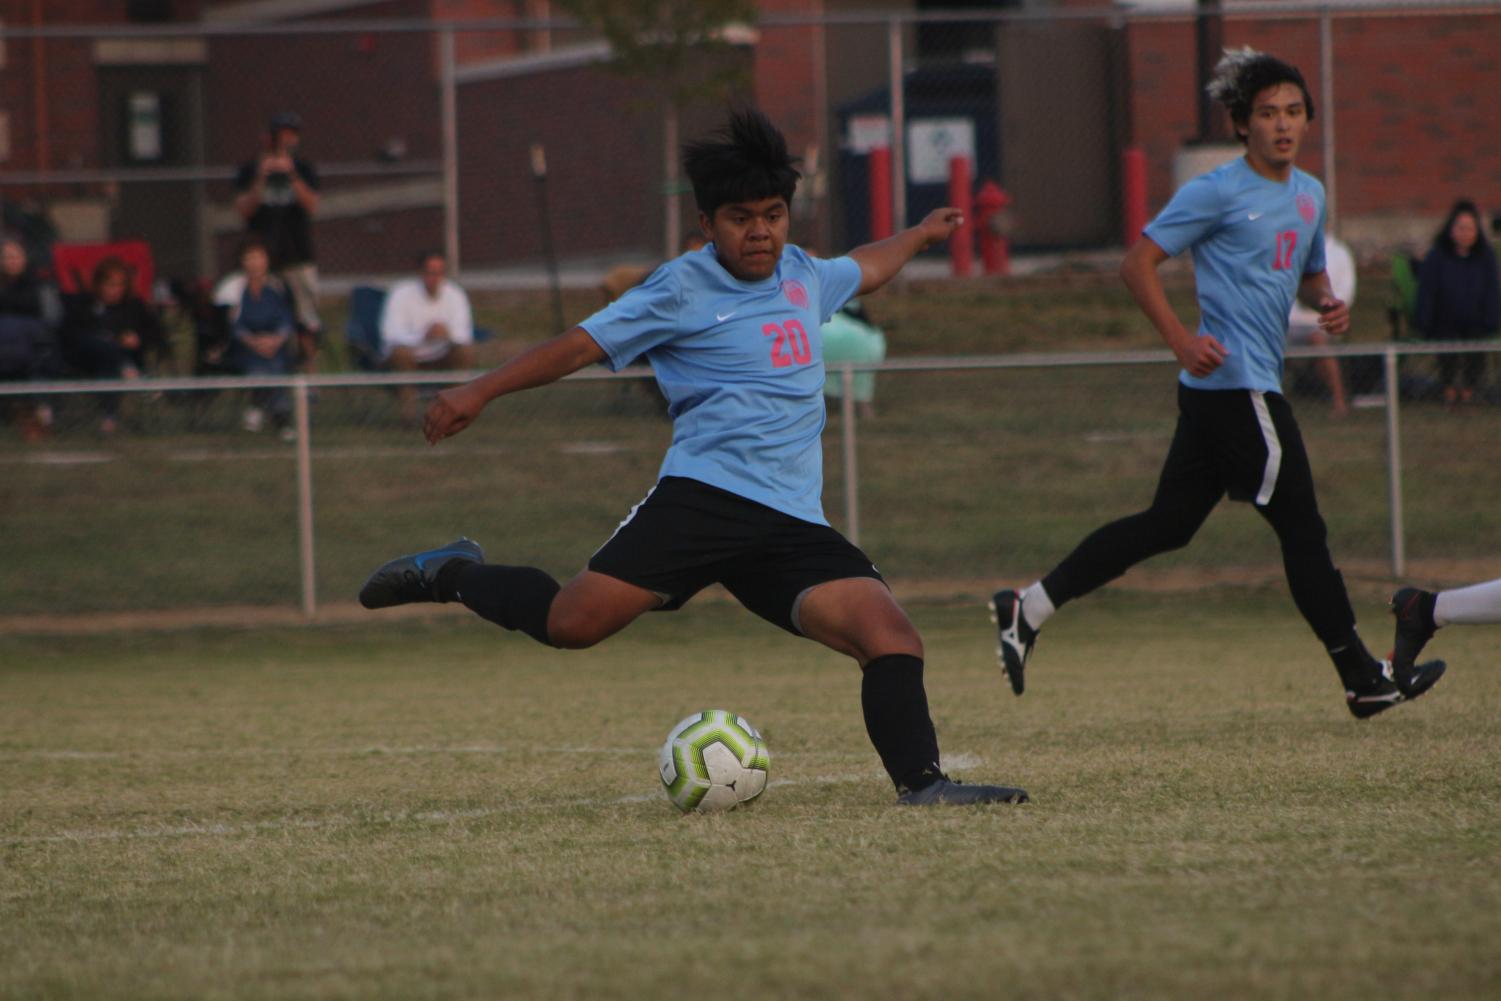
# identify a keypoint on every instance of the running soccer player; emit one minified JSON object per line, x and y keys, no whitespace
{"x":1256,"y":229}
{"x":1421,"y":613}
{"x":732,"y":332}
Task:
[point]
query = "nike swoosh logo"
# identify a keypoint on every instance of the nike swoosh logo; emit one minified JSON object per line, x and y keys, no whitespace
{"x":721,"y":317}
{"x":1255,"y":215}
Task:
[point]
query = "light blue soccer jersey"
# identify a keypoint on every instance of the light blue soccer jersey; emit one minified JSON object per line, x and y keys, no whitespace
{"x":1253,"y":240}
{"x":741,"y":365}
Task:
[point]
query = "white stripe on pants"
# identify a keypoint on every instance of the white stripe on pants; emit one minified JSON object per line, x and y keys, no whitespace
{"x":1273,"y":450}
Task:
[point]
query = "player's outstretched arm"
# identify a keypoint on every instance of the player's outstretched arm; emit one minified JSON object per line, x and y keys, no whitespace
{"x":1199,"y":354}
{"x":880,"y":261}
{"x":457,"y":407}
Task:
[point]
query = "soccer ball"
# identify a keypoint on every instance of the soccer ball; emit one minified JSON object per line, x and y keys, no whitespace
{"x":713,"y":761}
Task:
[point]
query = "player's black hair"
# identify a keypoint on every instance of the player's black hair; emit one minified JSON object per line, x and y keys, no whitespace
{"x":1462,"y":207}
{"x":1244,"y":73}
{"x":745,"y":161}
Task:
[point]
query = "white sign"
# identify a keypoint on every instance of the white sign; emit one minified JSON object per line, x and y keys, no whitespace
{"x":868,"y":132}
{"x":932,"y":142}
{"x":144,"y":112}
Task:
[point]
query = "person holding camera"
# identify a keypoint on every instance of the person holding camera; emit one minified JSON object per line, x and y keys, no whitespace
{"x":278,"y":197}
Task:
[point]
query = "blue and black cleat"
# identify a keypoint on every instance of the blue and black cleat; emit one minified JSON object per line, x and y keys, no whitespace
{"x":408,"y":579}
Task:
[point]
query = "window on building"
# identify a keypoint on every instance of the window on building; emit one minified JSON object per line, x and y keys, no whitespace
{"x":957,"y":41}
{"x":149,"y":11}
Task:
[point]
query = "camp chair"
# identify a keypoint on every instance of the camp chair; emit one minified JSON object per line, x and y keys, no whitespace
{"x":1404,"y":305}
{"x":73,"y":265}
{"x":362,"y":330}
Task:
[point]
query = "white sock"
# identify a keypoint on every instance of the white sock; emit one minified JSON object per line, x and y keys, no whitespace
{"x":1037,"y":607}
{"x":1473,"y":605}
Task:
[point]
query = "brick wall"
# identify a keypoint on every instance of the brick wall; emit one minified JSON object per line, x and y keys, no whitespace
{"x":71,"y":104}
{"x":1417,"y":119}
{"x":787,"y":72}
{"x":603,"y":150}
{"x":356,"y":92}
{"x":603,"y":140}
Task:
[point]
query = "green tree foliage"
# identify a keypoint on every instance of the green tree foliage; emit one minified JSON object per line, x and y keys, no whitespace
{"x":681,"y":46}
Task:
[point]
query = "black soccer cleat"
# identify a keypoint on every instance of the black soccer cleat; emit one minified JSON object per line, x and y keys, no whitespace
{"x":411,"y":578}
{"x":1413,"y":609}
{"x":1015,"y":637}
{"x":1387,"y":692}
{"x":947,"y":792}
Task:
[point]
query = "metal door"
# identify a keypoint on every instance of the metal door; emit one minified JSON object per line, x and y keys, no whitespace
{"x":152,"y":124}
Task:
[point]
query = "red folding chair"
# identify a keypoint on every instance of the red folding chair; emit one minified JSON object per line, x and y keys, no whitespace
{"x":73,"y":265}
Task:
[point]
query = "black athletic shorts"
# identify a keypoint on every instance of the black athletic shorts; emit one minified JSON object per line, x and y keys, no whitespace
{"x":1245,"y":442}
{"x":687,"y":535}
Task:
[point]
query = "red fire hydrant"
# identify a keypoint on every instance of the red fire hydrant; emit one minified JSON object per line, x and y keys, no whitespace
{"x":989,"y":206}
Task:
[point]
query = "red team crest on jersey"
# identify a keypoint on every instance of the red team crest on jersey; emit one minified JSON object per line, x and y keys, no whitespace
{"x":1307,"y":208}
{"x":795,"y":293}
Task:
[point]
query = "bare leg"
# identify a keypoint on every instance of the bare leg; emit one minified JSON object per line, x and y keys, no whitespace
{"x":1328,"y":369}
{"x":858,"y":616}
{"x":594,"y":606}
{"x":403,"y":359}
{"x":459,"y":357}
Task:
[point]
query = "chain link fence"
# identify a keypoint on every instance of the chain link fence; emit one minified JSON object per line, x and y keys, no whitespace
{"x":520,"y":148}
{"x":973,"y":472}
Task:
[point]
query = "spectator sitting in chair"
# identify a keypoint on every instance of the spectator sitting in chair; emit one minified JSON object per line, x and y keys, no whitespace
{"x":28,"y":312}
{"x":426,"y":323}
{"x":1303,"y":322}
{"x":107,"y":333}
{"x":262,"y":333}
{"x":1459,"y":299}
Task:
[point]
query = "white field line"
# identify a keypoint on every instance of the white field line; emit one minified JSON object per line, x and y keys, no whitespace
{"x":392,"y":817}
{"x":387,"y":817}
{"x":376,"y":750}
{"x":373,"y":750}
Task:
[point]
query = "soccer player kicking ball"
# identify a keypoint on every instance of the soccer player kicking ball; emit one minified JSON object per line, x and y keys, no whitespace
{"x":1256,"y":229}
{"x":1422,"y":613}
{"x":732,"y":331}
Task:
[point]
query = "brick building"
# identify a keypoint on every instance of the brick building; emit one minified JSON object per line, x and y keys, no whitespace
{"x":133,"y":125}
{"x":1417,"y":123}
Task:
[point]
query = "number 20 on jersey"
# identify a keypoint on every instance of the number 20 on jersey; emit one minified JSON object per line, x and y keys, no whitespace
{"x":789,"y":345}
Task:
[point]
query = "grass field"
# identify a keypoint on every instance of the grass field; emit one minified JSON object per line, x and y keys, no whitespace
{"x":436,"y":809}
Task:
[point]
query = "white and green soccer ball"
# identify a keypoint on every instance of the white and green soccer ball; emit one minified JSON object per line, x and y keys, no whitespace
{"x":713,"y":761}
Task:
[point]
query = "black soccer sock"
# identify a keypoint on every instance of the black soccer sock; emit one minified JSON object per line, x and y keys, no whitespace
{"x":1358,"y":670}
{"x":513,"y":597}
{"x":896,"y":717}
